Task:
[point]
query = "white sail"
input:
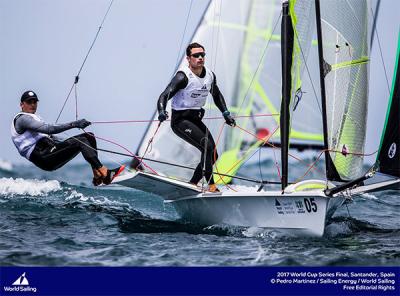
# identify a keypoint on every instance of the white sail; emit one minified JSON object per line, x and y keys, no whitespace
{"x":345,"y":40}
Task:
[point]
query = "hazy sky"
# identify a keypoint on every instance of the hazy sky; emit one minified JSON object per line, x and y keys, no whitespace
{"x":43,"y":43}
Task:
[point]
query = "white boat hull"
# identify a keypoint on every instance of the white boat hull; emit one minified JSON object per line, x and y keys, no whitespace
{"x":266,"y":209}
{"x":303,"y":213}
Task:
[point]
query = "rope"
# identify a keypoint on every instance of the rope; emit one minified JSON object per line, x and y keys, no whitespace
{"x":265,"y":141}
{"x":131,"y":153}
{"x":241,"y":159}
{"x":215,"y":157}
{"x":90,"y":147}
{"x":381,"y":54}
{"x":189,"y":168}
{"x":149,"y":143}
{"x":76,"y":102}
{"x":308,"y":72}
{"x":310,"y":166}
{"x":259,"y":63}
{"x":153,"y":120}
{"x":83,"y":63}
{"x":183,"y":34}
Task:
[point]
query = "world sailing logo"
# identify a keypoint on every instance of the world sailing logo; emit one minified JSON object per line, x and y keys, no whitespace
{"x":21,"y":284}
{"x":21,"y":281}
{"x":392,"y":150}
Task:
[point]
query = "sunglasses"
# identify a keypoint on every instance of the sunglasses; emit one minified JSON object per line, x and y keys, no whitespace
{"x":31,"y":102}
{"x":198,"y":54}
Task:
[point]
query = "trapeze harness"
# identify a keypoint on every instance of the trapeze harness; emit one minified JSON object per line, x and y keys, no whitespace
{"x":30,"y":135}
{"x":189,"y":94}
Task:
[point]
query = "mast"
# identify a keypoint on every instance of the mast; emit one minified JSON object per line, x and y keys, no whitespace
{"x":378,"y":3}
{"x":287,"y":57}
{"x":324,"y":68}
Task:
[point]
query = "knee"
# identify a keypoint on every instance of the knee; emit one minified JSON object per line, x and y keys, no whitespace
{"x":90,"y":138}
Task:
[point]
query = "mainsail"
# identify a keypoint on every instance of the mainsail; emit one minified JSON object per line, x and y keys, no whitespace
{"x":344,"y":67}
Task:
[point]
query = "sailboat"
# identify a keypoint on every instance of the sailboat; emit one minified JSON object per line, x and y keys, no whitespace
{"x":338,"y":119}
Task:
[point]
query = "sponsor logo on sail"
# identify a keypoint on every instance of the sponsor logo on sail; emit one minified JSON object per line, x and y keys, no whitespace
{"x":21,"y":284}
{"x":392,"y":150}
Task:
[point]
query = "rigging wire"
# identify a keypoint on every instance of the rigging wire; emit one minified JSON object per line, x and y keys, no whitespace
{"x":259,"y":164}
{"x":215,"y":156}
{"x":114,"y":143}
{"x":161,"y":162}
{"x":183,"y":35}
{"x":265,"y":141}
{"x":205,"y":118}
{"x":259,"y":63}
{"x":187,"y":167}
{"x":308,"y":71}
{"x":84,"y":61}
{"x":76,"y":102}
{"x":214,"y":50}
{"x":214,"y":64}
{"x":240,"y":161}
{"x":149,"y":143}
{"x":381,"y":54}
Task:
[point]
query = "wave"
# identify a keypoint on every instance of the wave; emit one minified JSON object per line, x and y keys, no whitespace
{"x":343,"y":226}
{"x":10,"y":187}
{"x":6,"y":166}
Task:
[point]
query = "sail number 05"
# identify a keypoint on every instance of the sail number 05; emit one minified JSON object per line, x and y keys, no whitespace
{"x":310,"y":204}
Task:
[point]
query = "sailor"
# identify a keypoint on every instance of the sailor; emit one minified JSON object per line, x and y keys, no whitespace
{"x":189,"y":89}
{"x":35,"y":140}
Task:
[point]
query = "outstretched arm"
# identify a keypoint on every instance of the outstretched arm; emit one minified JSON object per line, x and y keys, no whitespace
{"x":179,"y":81}
{"x":26,"y":122}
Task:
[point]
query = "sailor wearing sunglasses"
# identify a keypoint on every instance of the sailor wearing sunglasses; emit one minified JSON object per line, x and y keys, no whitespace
{"x":36,"y":141}
{"x":189,"y":89}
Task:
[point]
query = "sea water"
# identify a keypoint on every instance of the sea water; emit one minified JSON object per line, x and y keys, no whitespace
{"x":60,"y":219}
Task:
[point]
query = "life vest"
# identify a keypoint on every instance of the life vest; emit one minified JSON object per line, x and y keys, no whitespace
{"x":194,"y":95}
{"x":26,"y":141}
